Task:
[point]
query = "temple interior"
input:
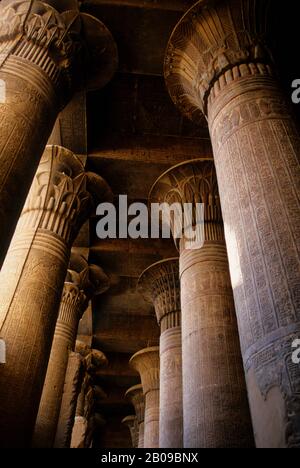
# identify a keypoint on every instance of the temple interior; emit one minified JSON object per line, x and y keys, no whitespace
{"x":120,"y":342}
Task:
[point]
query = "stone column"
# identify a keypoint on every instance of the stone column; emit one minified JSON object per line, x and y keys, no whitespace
{"x":82,"y":432}
{"x":62,"y":197}
{"x":215,"y":406}
{"x":43,"y":52}
{"x":72,"y":385}
{"x":137,"y":398}
{"x":132,"y":424}
{"x":218,"y":62}
{"x":83,"y":281}
{"x":146,"y":363}
{"x":160,"y":284}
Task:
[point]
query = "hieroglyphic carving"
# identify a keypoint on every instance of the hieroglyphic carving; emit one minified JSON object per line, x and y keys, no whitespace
{"x":267,"y":241}
{"x":171,"y":400}
{"x":62,"y":197}
{"x":209,"y":324}
{"x":256,"y":149}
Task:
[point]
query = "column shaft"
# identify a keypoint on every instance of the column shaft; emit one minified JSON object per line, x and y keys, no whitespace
{"x":82,"y":282}
{"x":215,"y":406}
{"x":146,"y":362}
{"x":259,"y":153}
{"x":63,"y":342}
{"x":72,"y":385}
{"x":132,"y":424}
{"x":84,"y":422}
{"x":256,"y":146}
{"x":141,"y":435}
{"x":32,"y":280}
{"x":171,"y":403}
{"x":160,"y":284}
{"x":136,"y":395}
{"x":151,"y":423}
{"x":27,"y":329}
{"x":26,"y":120}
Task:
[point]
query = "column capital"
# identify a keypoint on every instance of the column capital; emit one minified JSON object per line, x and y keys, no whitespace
{"x":93,"y":358}
{"x":58,"y":40}
{"x":136,"y":396}
{"x":129,"y":421}
{"x":132,"y":424}
{"x":62,"y":195}
{"x":83,"y":282}
{"x":146,"y":363}
{"x":192,"y":182}
{"x":160,"y":285}
{"x":216,"y":38}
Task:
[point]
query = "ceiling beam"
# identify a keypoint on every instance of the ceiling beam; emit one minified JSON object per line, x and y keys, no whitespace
{"x":170,"y":5}
{"x":152,"y":149}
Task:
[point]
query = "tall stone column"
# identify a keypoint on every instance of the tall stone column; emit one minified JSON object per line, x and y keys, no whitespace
{"x":137,"y":398}
{"x":43,"y":52}
{"x":132,"y":424}
{"x":218,"y":62}
{"x":73,"y":381}
{"x":160,"y":284}
{"x":62,"y":197}
{"x":146,"y":363}
{"x":83,"y":281}
{"x":215,"y":406}
{"x":83,"y":428}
